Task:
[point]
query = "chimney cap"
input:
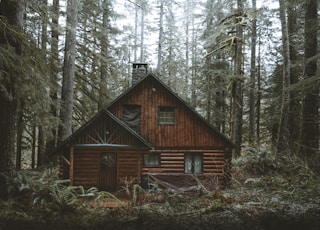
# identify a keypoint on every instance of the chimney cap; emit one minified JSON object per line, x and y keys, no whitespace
{"x":139,"y":64}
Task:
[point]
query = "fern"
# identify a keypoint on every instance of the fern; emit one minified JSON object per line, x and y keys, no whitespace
{"x":257,"y":160}
{"x":135,"y":191}
{"x":64,"y":196}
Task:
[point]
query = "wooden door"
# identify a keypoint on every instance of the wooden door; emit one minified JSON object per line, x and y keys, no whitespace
{"x":108,"y":171}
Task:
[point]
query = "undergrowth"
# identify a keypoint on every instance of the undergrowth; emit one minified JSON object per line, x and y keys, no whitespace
{"x":262,"y":181}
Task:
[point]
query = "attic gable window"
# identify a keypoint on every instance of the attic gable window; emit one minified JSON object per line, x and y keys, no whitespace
{"x":132,"y":116}
{"x":166,"y":115}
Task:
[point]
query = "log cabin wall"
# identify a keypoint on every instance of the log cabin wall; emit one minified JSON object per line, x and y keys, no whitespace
{"x":171,"y":172}
{"x":174,"y":163}
{"x":88,"y":169}
{"x":188,"y":129}
{"x":105,"y":138}
{"x":88,"y":172}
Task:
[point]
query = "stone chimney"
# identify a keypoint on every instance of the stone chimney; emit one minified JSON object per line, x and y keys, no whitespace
{"x":139,"y":70}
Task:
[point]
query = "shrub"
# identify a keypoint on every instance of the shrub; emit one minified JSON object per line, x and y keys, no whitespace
{"x":257,"y":160}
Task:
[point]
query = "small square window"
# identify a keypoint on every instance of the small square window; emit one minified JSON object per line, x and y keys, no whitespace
{"x":166,"y":115}
{"x":151,"y":160}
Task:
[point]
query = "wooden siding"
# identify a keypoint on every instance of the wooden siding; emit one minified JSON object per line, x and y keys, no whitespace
{"x":189,"y":130}
{"x":87,"y":166}
{"x":105,"y":130}
{"x":129,"y":167}
{"x":173,"y":163}
{"x":189,"y":134}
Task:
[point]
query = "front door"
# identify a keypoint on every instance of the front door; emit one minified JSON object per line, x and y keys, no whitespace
{"x":108,"y":171}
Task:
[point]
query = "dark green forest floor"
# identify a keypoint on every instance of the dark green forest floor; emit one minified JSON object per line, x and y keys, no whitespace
{"x":263,"y":195}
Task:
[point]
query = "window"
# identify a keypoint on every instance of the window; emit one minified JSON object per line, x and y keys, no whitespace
{"x":132,"y":116}
{"x":193,"y":163}
{"x":166,"y":115}
{"x":151,"y":160}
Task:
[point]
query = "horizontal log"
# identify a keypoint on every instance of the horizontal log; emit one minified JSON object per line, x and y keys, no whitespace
{"x":152,"y":170}
{"x":173,"y":161}
{"x":175,"y":170}
{"x":213,"y":163}
{"x":188,"y":151}
{"x":172,"y":154}
{"x":216,"y":172}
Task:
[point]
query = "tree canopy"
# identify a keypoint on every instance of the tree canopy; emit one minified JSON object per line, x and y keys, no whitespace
{"x":249,"y":67}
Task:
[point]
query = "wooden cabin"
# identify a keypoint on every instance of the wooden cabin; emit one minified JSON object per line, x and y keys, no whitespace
{"x":148,"y":132}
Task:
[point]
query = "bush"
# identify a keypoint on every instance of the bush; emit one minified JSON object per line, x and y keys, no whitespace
{"x":257,"y":160}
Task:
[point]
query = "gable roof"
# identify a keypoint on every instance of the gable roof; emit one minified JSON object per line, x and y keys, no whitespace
{"x":89,"y":123}
{"x":151,"y":75}
{"x":106,"y":112}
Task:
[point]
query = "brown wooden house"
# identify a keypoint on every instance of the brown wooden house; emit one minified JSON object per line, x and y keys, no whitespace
{"x":147,"y":132}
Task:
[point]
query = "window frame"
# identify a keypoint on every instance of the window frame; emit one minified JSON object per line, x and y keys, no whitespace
{"x":157,"y":155}
{"x":193,"y":159}
{"x":166,"y":120}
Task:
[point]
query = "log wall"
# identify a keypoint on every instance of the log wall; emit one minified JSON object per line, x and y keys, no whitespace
{"x":172,"y":162}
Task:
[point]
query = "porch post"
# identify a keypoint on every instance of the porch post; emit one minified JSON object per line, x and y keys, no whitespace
{"x":71,"y":164}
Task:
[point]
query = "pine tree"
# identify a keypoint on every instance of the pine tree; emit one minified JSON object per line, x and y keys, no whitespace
{"x":66,"y":111}
{"x":11,"y":12}
{"x":310,"y":137}
{"x":283,"y":129}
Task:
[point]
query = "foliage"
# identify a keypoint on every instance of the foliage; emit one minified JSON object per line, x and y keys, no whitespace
{"x":14,"y":183}
{"x":257,"y":160}
{"x":287,"y":195}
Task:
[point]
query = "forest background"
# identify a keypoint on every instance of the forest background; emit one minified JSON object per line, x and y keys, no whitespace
{"x":250,"y":69}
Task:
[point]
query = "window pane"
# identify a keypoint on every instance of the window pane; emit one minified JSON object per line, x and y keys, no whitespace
{"x":197,"y":164}
{"x":166,"y":115}
{"x":151,"y":159}
{"x":193,"y":163}
{"x":188,"y":164}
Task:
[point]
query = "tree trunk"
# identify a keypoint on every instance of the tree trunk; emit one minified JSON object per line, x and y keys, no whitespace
{"x":66,"y":111}
{"x":142,"y":35}
{"x":294,"y":107}
{"x":103,"y":89}
{"x":41,"y":146}
{"x":159,"y":66}
{"x":253,"y":72}
{"x":310,"y":122}
{"x":11,"y":13}
{"x":33,"y":149}
{"x":283,"y":130}
{"x":44,"y":40}
{"x":258,"y":105}
{"x":54,"y":71}
{"x":20,"y":129}
{"x":237,"y":86}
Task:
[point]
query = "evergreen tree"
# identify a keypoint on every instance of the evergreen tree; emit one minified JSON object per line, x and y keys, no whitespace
{"x":310,"y":137}
{"x":11,"y":20}
{"x":66,"y":110}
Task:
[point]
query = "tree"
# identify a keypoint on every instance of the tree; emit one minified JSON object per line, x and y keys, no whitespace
{"x":310,"y":123}
{"x":11,"y":19}
{"x":253,"y":72}
{"x":295,"y":48}
{"x":283,"y":129}
{"x":53,"y":75}
{"x":66,"y":111}
{"x":104,"y":43}
{"x":237,"y":103}
{"x":159,"y":66}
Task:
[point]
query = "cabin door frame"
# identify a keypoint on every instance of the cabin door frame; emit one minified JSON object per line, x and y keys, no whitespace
{"x":107,"y":180}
